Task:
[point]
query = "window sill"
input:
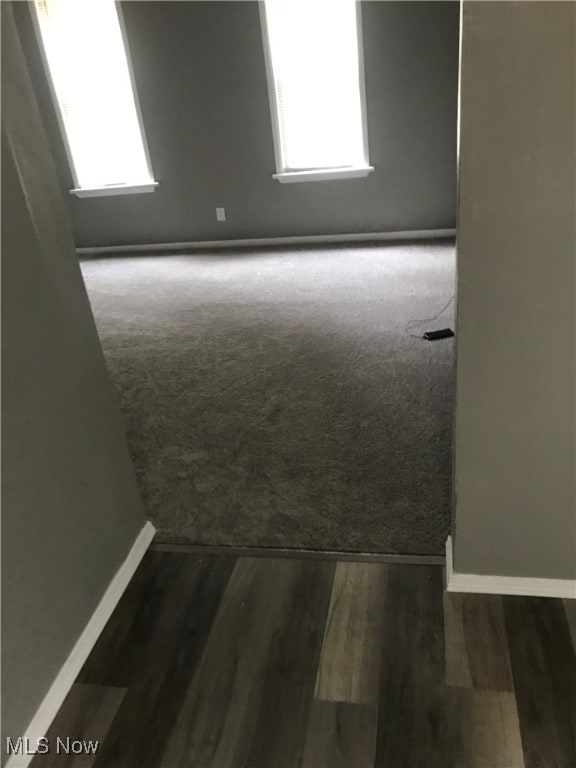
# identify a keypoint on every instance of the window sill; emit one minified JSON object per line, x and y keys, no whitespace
{"x":115,"y":189}
{"x":324,"y":174}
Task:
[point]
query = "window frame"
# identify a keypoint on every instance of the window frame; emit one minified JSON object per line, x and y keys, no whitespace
{"x":109,"y":189}
{"x":285,"y":176}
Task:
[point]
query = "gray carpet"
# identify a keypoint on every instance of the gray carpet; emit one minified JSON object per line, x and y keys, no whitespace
{"x":273,"y":398}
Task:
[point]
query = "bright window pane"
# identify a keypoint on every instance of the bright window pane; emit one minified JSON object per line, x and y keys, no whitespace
{"x":315,"y":65}
{"x":87,"y":61}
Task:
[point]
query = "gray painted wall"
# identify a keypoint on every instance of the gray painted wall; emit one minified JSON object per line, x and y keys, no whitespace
{"x":70,"y":507}
{"x":515,"y":409}
{"x":201,"y":79}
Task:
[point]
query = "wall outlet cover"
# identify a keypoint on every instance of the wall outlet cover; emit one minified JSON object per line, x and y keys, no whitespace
{"x":220,"y":214}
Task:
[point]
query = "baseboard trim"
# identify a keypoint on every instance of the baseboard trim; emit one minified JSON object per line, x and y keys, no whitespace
{"x":65,"y":678}
{"x":298,"y":554}
{"x":504,"y":585}
{"x":363,"y":237}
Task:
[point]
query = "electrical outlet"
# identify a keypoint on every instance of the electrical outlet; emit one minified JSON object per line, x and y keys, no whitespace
{"x":220,"y":214}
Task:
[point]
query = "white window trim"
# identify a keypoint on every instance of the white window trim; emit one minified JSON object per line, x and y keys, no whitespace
{"x":317,"y":174}
{"x":114,"y":189}
{"x":324,"y":174}
{"x":147,"y":185}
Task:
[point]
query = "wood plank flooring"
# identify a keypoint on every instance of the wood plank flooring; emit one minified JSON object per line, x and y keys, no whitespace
{"x":238,"y":662}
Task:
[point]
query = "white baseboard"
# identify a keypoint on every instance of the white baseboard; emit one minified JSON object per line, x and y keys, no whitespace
{"x":504,"y":585}
{"x":417,"y":234}
{"x":65,"y":678}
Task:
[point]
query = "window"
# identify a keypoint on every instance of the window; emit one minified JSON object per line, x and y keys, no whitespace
{"x":316,"y":83}
{"x":89,"y":68}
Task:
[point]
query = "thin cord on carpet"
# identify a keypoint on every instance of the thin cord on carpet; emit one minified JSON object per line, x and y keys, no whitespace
{"x":414,"y":323}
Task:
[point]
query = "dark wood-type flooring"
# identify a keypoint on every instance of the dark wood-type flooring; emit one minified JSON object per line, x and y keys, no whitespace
{"x":218,"y":662}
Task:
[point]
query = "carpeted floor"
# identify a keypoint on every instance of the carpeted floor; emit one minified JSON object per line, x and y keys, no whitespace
{"x":273,"y":398}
